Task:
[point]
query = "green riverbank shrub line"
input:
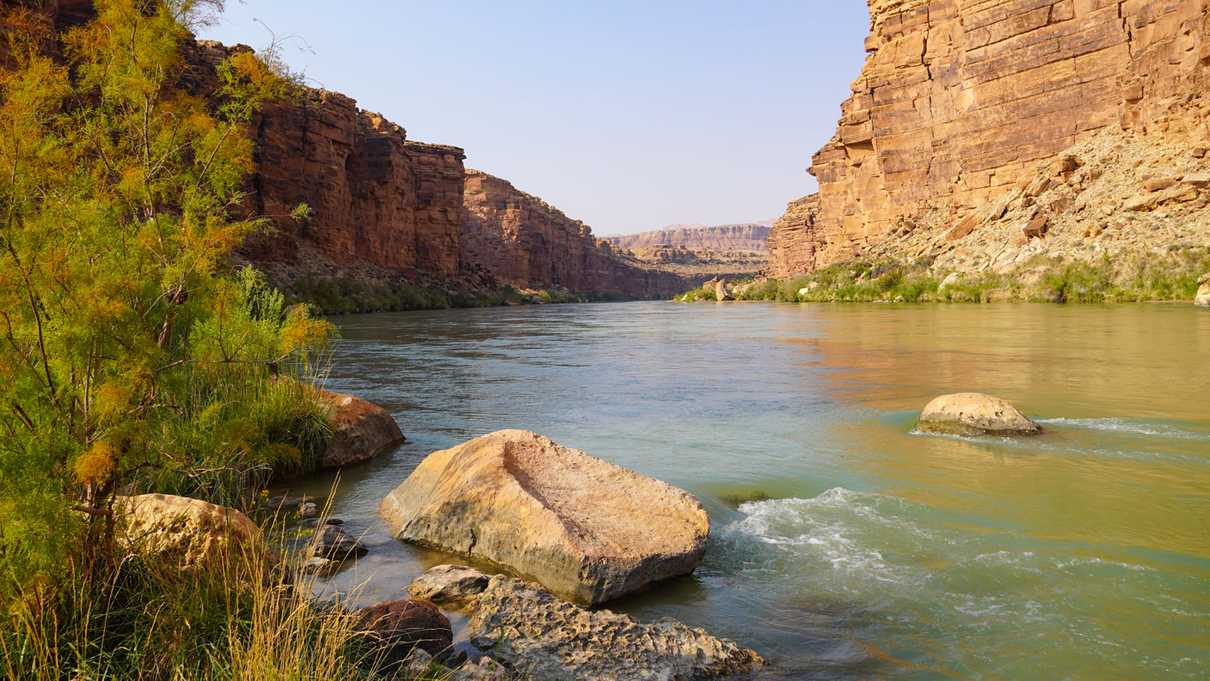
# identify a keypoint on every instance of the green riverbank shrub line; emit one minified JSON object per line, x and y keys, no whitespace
{"x":133,"y":359}
{"x":698,"y":294}
{"x":342,"y":295}
{"x":1135,"y":279}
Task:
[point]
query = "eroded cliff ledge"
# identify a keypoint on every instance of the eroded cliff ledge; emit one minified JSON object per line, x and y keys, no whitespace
{"x":519,"y":239}
{"x":964,"y":105}
{"x":386,"y":210}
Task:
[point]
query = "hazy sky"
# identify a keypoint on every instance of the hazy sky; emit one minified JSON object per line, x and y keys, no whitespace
{"x":627,"y":115}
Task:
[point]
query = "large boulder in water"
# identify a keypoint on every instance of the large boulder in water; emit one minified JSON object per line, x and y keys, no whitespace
{"x":540,"y":637}
{"x":586,"y":529}
{"x":361,"y":430}
{"x":974,"y":414}
{"x":189,"y":534}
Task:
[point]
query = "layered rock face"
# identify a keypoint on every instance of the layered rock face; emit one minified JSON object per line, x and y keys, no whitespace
{"x":741,"y":237}
{"x":384,"y":208}
{"x":697,"y":252}
{"x":376,"y":198}
{"x":792,"y":239}
{"x":521,"y":240}
{"x":961,"y":101}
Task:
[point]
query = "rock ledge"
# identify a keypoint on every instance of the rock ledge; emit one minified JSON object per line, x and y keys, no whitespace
{"x":539,"y":637}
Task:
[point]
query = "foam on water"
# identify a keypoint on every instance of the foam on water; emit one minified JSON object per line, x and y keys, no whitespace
{"x":880,"y":553}
{"x":1129,"y":426}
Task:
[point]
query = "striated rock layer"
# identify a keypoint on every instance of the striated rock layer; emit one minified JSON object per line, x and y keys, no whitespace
{"x":384,"y":206}
{"x":961,"y":101}
{"x":521,"y":240}
{"x":698,"y":252}
{"x":385,"y":209}
{"x":375,"y":197}
{"x":741,"y":237}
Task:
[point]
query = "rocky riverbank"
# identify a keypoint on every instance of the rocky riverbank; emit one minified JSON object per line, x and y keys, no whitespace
{"x":577,"y":527}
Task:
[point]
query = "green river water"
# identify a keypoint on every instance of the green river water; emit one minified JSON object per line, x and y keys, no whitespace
{"x":843,"y":545}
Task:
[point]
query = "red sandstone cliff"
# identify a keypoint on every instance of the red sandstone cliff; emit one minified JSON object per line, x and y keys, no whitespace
{"x":523,"y":241}
{"x":384,"y":209}
{"x":962,"y":105}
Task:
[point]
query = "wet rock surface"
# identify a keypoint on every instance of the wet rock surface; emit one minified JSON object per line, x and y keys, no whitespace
{"x":538,"y":636}
{"x":333,"y":543}
{"x":974,"y":414}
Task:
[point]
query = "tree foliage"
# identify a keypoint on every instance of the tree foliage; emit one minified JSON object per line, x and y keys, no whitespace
{"x":131,"y":357}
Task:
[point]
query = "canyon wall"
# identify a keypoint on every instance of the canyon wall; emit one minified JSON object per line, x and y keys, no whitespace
{"x":383,"y":206}
{"x":961,"y":102}
{"x":738,"y":237}
{"x":521,"y":240}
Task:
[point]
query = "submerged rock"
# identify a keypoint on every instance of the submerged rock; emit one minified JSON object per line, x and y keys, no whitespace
{"x":974,"y":414}
{"x":537,"y":636}
{"x":333,"y":543}
{"x":1203,"y":291}
{"x":323,"y":567}
{"x":189,"y":533}
{"x":361,"y":430}
{"x":586,"y":529}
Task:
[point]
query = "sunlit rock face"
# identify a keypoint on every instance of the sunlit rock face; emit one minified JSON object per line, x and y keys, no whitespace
{"x":521,"y":240}
{"x":586,"y":529}
{"x":960,"y":102}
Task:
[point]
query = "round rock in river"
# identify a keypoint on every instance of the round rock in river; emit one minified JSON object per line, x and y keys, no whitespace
{"x":974,"y":414}
{"x":586,"y":529}
{"x":361,"y":430}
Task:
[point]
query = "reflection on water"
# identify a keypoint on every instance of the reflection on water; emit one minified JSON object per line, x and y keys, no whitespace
{"x":844,"y":545}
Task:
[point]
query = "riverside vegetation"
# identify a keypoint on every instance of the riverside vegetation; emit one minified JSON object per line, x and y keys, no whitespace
{"x":136,"y":360}
{"x":1173,"y":277}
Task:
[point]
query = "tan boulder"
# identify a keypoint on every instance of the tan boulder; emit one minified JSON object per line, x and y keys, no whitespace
{"x":361,"y":430}
{"x":543,"y":638}
{"x":974,"y":414}
{"x":1203,"y":291}
{"x":586,"y":529}
{"x":188,"y":533}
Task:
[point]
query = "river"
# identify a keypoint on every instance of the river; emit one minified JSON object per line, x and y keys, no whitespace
{"x":844,"y":545}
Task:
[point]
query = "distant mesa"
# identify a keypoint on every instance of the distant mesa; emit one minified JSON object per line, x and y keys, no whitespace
{"x":734,"y":250}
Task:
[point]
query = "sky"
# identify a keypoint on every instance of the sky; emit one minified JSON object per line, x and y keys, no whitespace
{"x":626,"y":115}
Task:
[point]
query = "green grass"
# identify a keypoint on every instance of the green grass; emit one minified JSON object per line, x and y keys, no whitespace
{"x":1136,"y":279}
